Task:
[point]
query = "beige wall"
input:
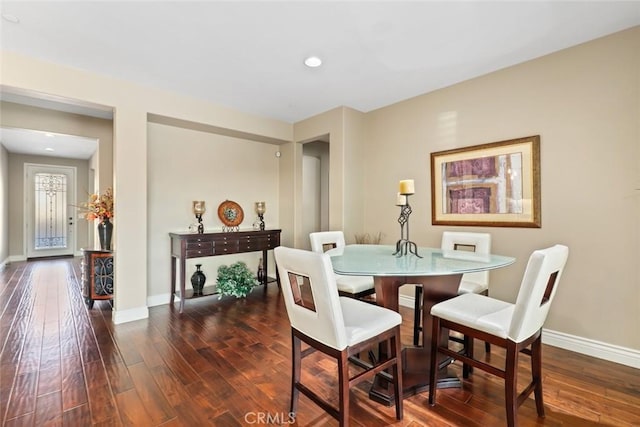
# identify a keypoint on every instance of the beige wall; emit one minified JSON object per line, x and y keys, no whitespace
{"x":345,"y":130}
{"x":209,"y":167}
{"x":584,"y":103}
{"x":4,"y":206}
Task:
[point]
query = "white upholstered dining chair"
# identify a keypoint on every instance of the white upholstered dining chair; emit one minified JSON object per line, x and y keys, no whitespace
{"x":515,"y":327}
{"x":348,"y":286}
{"x":476,"y":283}
{"x":339,"y":327}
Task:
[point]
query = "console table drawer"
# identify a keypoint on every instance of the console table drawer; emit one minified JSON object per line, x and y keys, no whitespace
{"x":199,"y":244}
{"x":198,"y":248}
{"x":273,"y":240}
{"x":226,"y":247}
{"x":195,"y":253}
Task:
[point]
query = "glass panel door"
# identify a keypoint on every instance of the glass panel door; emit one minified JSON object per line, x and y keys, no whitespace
{"x":49,"y":223}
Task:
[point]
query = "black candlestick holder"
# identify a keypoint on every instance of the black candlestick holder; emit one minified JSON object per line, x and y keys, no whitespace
{"x":405,"y":246}
{"x":200,"y":225}
{"x":261,"y":218}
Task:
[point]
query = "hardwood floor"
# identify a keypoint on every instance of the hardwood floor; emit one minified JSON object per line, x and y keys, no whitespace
{"x":226,"y":363}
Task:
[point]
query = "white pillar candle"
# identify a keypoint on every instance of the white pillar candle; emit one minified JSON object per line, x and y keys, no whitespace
{"x":401,"y":200}
{"x":198,"y":207}
{"x":407,"y":186}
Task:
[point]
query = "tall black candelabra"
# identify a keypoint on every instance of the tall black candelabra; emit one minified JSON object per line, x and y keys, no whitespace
{"x":405,"y":246}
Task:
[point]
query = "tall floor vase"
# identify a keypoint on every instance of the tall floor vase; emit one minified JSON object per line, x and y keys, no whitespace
{"x":105,"y":230}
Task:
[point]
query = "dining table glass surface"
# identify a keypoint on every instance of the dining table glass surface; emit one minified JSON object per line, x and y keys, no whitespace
{"x":379,"y":260}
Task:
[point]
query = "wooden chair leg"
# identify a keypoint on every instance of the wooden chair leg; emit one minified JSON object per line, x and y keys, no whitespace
{"x":396,"y":348}
{"x":296,"y":362}
{"x":417,"y":318}
{"x":468,"y":351}
{"x":536,"y":373}
{"x":510,"y":386}
{"x":343,"y":392}
{"x":433,"y":370}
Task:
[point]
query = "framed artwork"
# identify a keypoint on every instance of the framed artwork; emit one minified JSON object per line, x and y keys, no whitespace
{"x":491,"y":185}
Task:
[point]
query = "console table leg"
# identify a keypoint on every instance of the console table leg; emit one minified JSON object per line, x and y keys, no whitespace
{"x":182,"y":283}
{"x":173,"y":280}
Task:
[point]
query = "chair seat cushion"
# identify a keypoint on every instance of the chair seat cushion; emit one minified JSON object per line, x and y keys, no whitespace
{"x":354,"y":284}
{"x":478,"y":312}
{"x":363,"y":320}
{"x":471,"y":287}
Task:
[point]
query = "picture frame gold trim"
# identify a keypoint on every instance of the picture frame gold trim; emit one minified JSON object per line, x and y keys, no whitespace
{"x":492,"y":185}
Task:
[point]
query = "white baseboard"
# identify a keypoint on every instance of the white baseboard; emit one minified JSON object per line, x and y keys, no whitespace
{"x":406,"y":301}
{"x":17,"y":258}
{"x":123,"y":316}
{"x":601,"y":350}
{"x":162,"y":299}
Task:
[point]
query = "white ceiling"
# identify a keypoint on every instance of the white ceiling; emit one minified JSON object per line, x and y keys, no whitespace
{"x":34,"y":142}
{"x":249,"y":55}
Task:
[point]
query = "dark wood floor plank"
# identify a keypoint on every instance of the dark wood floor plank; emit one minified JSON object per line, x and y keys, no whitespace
{"x":23,"y":395}
{"x":50,"y":373}
{"x":132,"y":410}
{"x":23,"y":421}
{"x":49,"y":410}
{"x":77,"y":416}
{"x":173,"y":358}
{"x":74,"y":389}
{"x":101,"y":399}
{"x":222,"y":362}
{"x":172,"y":388}
{"x":150,"y":394}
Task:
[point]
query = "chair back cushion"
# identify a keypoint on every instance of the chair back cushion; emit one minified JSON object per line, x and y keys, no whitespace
{"x":311,"y":296}
{"x":537,"y":290}
{"x":479,"y":243}
{"x":321,"y":239}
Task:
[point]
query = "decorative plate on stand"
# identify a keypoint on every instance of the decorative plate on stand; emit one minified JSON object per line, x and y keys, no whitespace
{"x":231,"y":215}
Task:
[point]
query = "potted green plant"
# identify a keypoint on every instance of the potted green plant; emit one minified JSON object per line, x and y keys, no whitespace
{"x":235,"y":279}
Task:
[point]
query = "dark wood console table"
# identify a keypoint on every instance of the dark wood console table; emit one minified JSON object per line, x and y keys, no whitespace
{"x":192,"y":245}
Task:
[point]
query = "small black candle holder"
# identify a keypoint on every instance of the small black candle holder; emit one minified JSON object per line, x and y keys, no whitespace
{"x":198,"y":210}
{"x":261,"y":208}
{"x":200,"y":225}
{"x":405,"y":246}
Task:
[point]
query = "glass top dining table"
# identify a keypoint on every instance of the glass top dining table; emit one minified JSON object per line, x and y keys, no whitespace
{"x":438,"y":272}
{"x":378,"y":260}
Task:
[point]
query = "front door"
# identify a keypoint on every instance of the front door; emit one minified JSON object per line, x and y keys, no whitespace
{"x":49,"y":200}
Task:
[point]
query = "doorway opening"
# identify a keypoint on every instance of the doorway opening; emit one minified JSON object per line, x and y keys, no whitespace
{"x":315,"y":188}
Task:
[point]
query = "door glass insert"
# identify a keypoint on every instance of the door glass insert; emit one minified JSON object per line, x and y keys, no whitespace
{"x":50,"y":196}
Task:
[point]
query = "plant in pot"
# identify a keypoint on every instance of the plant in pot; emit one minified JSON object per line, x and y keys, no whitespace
{"x":235,"y":279}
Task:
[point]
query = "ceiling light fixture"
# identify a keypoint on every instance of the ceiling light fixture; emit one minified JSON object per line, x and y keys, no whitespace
{"x":10,"y":18}
{"x":49,"y":149}
{"x":313,"y":62}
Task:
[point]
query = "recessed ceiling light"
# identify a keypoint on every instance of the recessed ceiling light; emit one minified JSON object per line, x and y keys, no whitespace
{"x":49,"y":135}
{"x":49,"y":149}
{"x":313,"y":62}
{"x":10,"y":18}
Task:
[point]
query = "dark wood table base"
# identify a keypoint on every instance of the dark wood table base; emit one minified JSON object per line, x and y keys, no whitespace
{"x":416,"y":359}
